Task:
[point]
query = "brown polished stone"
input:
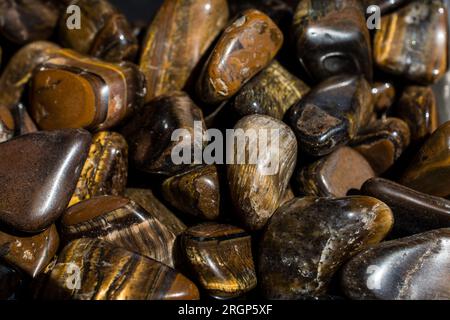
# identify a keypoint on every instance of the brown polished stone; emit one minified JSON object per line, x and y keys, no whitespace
{"x":247,"y":46}
{"x":176,"y":40}
{"x":412,"y":41}
{"x":261,"y":170}
{"x":220,"y":256}
{"x":331,"y":114}
{"x":149,"y":133}
{"x":336,"y":174}
{"x":429,"y":171}
{"x":75,"y":91}
{"x":29,"y":253}
{"x":107,"y":272}
{"x":308,"y":239}
{"x":332,"y":38}
{"x":105,"y":170}
{"x":384,"y":95}
{"x":414,"y":268}
{"x":383,"y":143}
{"x":39,"y":175}
{"x":196,"y":192}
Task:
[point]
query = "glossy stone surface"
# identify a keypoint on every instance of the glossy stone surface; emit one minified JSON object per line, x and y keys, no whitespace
{"x":44,"y":168}
{"x":149,"y":133}
{"x":10,"y":281}
{"x":177,"y":39}
{"x":331,"y":114}
{"x":75,"y":91}
{"x":196,"y":192}
{"x":414,"y":212}
{"x":417,"y":107}
{"x":221,"y":258}
{"x":246,"y":46}
{"x":329,"y":176}
{"x":20,"y":68}
{"x":29,"y":253}
{"x":331,"y":38}
{"x":23,"y":21}
{"x":105,"y":171}
{"x":257,"y":185}
{"x":386,"y":5}
{"x":272,"y":92}
{"x":112,"y":273}
{"x":7,"y":124}
{"x":384,"y":94}
{"x":123,"y":223}
{"x":104,"y":32}
{"x":412,"y":41}
{"x":430,"y":169}
{"x":308,"y":239}
{"x":414,"y":268}
{"x":383,"y":143}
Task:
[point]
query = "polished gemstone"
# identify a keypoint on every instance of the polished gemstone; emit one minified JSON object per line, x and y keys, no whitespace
{"x":221,"y":258}
{"x":39,"y":175}
{"x":386,"y":5}
{"x":384,"y":95}
{"x":106,"y":168}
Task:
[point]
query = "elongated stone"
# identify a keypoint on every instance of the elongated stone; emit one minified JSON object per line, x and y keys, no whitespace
{"x":196,"y":192}
{"x":11,"y":282}
{"x":414,"y":268}
{"x":7,"y":124}
{"x":247,"y":46}
{"x":414,"y":212}
{"x":20,"y":68}
{"x":272,"y":92}
{"x":430,"y":169}
{"x":106,"y":168}
{"x":261,"y":169}
{"x":329,"y":176}
{"x":29,"y":253}
{"x":44,"y":168}
{"x":75,"y":91}
{"x":383,"y":143}
{"x":417,"y":107}
{"x":221,"y":258}
{"x":384,"y":94}
{"x":331,"y":114}
{"x":177,"y":39}
{"x":98,"y":265}
{"x":332,"y":38}
{"x":28,"y":20}
{"x":308,"y":239}
{"x":103,"y":33}
{"x":149,"y":133}
{"x":412,"y":42}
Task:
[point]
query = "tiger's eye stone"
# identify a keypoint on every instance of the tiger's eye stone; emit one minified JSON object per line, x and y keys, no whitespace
{"x":384,"y":95}
{"x":417,"y":107}
{"x":246,"y":47}
{"x":123,"y":223}
{"x":308,"y":239}
{"x":7,"y":124}
{"x":257,"y":186}
{"x":196,"y":192}
{"x":149,"y":133}
{"x":23,"y":21}
{"x":104,"y":32}
{"x":23,"y":122}
{"x":430,"y":170}
{"x":414,"y":268}
{"x":414,"y":212}
{"x":412,"y":42}
{"x":221,"y":258}
{"x":332,"y":38}
{"x":105,"y":171}
{"x":386,"y":5}
{"x":75,"y":91}
{"x":39,"y":175}
{"x":329,"y":176}
{"x":383,"y":143}
{"x":177,"y":39}
{"x":272,"y":92}
{"x":30,"y":253}
{"x":10,"y":281}
{"x":20,"y":68}
{"x":331,"y":114}
{"x":107,"y":272}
